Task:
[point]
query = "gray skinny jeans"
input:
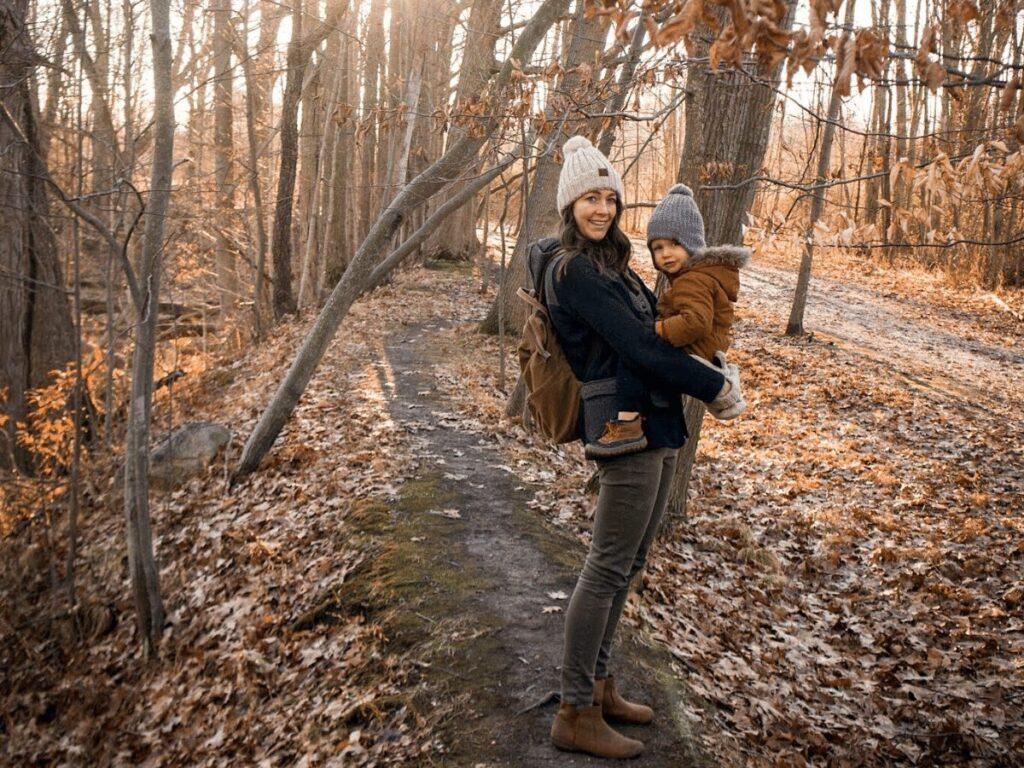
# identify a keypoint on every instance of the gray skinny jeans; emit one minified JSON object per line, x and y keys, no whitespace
{"x":634,"y":492}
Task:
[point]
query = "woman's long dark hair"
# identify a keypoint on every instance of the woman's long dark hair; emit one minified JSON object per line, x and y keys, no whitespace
{"x":610,"y":253}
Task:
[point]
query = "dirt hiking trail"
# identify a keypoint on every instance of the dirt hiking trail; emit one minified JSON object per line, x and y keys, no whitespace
{"x":931,"y":350}
{"x":486,"y":578}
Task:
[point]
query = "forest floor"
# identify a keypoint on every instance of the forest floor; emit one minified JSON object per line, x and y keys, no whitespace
{"x":846,"y":588}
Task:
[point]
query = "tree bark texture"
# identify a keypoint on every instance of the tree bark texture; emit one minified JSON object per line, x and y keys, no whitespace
{"x":366,"y":135}
{"x":728,"y":120}
{"x":456,"y":238}
{"x":299,"y":50}
{"x":223,"y":142}
{"x":37,"y":334}
{"x":142,"y":565}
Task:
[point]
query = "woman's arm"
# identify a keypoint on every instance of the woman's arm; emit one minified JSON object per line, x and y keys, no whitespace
{"x":594,"y":299}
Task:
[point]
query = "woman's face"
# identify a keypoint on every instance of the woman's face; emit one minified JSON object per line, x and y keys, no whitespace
{"x":594,"y":212}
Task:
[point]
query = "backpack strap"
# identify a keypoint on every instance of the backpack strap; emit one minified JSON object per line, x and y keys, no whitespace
{"x":529,"y":327}
{"x":550,"y":297}
{"x":530,"y":299}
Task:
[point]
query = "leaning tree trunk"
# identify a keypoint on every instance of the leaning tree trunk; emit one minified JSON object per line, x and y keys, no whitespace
{"x":728,"y":120}
{"x":36,"y":333}
{"x":141,"y":560}
{"x":456,"y":238}
{"x":541,"y":215}
{"x":360,"y":268}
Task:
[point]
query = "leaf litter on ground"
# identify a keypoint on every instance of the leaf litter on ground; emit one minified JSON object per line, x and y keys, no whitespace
{"x":845,"y":588}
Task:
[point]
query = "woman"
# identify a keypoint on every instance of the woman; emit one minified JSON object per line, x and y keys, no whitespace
{"x":602,"y":311}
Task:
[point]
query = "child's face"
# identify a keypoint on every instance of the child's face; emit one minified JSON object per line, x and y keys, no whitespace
{"x":669,"y":256}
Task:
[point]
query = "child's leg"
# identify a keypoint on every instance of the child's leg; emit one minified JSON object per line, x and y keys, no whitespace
{"x":624,"y":434}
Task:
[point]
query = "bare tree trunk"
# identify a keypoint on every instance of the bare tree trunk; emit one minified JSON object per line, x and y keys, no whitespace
{"x":141,"y":560}
{"x":299,"y":50}
{"x":36,"y":332}
{"x":416,"y":193}
{"x":456,"y":239}
{"x":404,"y":146}
{"x":308,"y":293}
{"x":372,"y":81}
{"x":37,"y":335}
{"x":313,"y":95}
{"x":427,"y":138}
{"x":104,"y":126}
{"x":343,"y":201}
{"x":795,"y":326}
{"x":541,"y":216}
{"x":223,"y":92}
{"x":251,"y":112}
{"x":400,"y":43}
{"x":728,"y":120}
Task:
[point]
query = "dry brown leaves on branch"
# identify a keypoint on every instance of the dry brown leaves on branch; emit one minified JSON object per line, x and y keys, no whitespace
{"x":927,"y":68}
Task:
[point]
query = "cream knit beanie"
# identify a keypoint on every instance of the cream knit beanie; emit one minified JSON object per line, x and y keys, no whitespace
{"x":584,"y":169}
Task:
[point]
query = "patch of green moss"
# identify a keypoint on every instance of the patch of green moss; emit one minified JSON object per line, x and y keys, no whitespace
{"x":416,"y":577}
{"x":422,"y":494}
{"x":655,"y":659}
{"x":558,"y":546}
{"x":449,"y":265}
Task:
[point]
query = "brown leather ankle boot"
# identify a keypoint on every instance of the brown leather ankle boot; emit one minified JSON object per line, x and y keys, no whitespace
{"x":582,"y":729}
{"x":615,"y":708}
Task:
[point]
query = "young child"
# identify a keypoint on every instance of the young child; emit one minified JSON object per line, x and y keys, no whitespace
{"x":695,"y":311}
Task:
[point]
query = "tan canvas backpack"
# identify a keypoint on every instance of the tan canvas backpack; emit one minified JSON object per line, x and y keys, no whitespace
{"x":552,"y":389}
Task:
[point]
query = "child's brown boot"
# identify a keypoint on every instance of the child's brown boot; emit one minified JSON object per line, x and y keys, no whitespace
{"x":582,"y":729}
{"x":620,"y":436}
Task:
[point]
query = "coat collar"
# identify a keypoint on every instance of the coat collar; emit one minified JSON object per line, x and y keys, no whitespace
{"x":736,"y":256}
{"x":727,"y":255}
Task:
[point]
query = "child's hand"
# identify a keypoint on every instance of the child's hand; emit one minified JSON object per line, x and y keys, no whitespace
{"x":729,"y":403}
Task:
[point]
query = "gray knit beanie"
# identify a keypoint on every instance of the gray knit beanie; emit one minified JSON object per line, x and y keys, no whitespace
{"x":585,"y":168}
{"x":678,"y":218}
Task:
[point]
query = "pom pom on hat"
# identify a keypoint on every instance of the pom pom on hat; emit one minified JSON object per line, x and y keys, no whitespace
{"x":680,"y":189}
{"x":585,"y":168}
{"x":575,"y":143}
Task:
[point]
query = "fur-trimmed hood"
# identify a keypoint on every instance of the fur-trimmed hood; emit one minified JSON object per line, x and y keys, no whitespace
{"x":727,"y":255}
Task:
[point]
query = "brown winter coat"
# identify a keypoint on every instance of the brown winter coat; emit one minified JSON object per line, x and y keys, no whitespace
{"x":695,"y":311}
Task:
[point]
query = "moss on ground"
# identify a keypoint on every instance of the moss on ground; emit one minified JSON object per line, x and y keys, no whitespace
{"x":448,"y":265}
